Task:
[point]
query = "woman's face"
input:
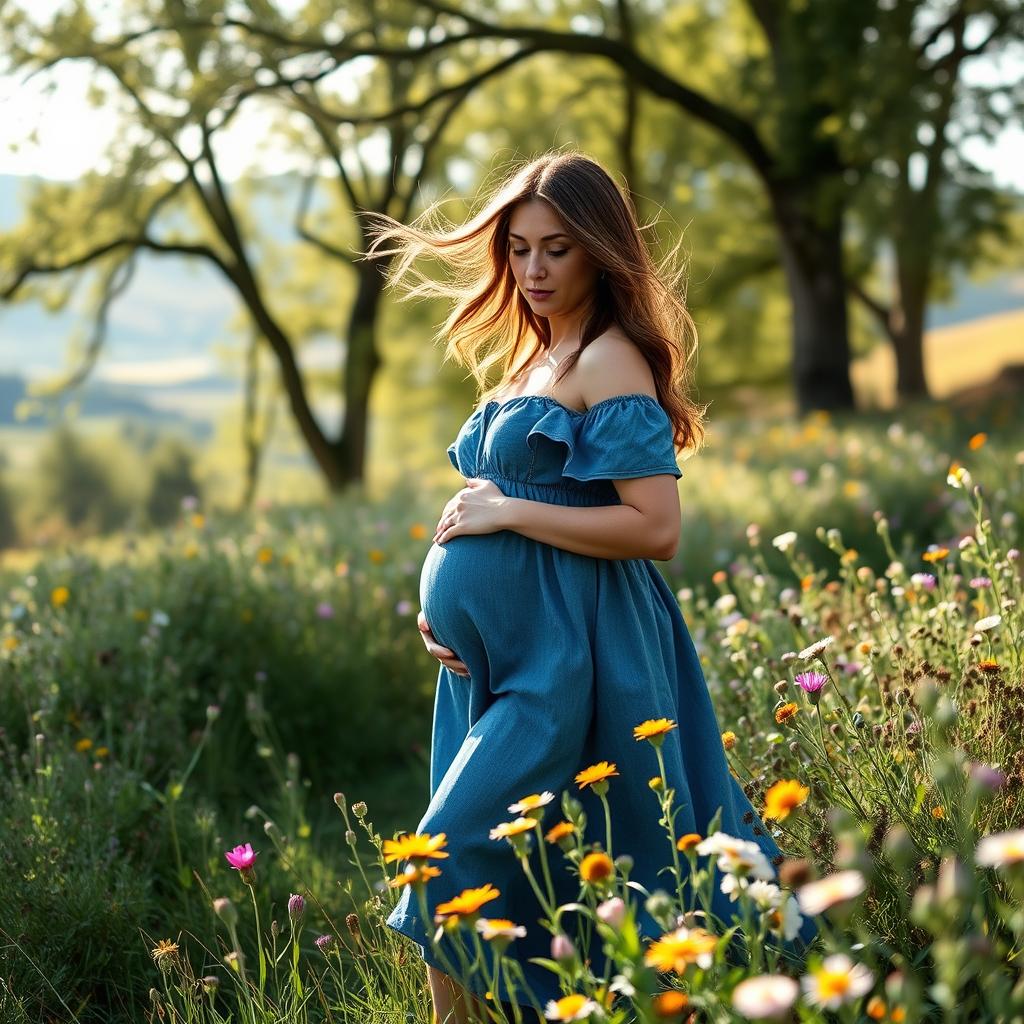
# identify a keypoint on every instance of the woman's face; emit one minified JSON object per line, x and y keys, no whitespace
{"x":551,"y":269}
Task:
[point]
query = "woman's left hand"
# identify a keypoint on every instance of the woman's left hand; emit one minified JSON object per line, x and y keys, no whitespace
{"x":480,"y":507}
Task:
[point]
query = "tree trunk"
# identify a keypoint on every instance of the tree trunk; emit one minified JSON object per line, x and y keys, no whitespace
{"x":908,"y":339}
{"x":812,"y":258}
{"x":361,"y":364}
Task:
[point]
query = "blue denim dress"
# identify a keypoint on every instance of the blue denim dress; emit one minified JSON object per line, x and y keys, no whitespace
{"x":566,"y":654}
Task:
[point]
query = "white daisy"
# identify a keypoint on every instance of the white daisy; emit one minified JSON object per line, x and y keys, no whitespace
{"x":817,"y":897}
{"x":1000,"y":848}
{"x":989,"y":622}
{"x":784,"y":541}
{"x":836,"y":981}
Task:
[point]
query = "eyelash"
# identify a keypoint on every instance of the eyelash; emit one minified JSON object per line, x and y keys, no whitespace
{"x":551,"y":252}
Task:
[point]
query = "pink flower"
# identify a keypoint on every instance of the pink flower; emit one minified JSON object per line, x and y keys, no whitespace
{"x":241,"y":857}
{"x":325,"y":610}
{"x":811,"y":683}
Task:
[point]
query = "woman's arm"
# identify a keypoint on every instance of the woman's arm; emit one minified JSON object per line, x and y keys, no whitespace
{"x":646,"y":525}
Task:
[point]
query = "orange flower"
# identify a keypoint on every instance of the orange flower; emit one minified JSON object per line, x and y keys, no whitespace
{"x":719,"y":577}
{"x":376,"y":555}
{"x":513,"y":828}
{"x":938,"y":811}
{"x":977,"y":441}
{"x":935,"y":556}
{"x":596,"y":773}
{"x":784,"y":796}
{"x":728,"y":739}
{"x":264,"y":556}
{"x":416,"y":875}
{"x":412,"y":847}
{"x":988,"y":665}
{"x":670,"y":1004}
{"x":786,"y":712}
{"x":417,"y":531}
{"x":559,"y":831}
{"x":596,"y":867}
{"x":469,"y":901}
{"x":653,"y":727}
{"x":689,"y":841}
{"x":875,"y":1008}
{"x":680,"y":948}
{"x":59,"y":596}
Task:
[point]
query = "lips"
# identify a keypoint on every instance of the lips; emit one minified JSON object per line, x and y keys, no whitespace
{"x":537,"y":293}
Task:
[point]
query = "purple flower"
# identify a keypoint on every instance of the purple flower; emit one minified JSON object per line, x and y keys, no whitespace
{"x":811,"y":683}
{"x":986,"y":776}
{"x":404,"y":607}
{"x":981,"y":582}
{"x":798,"y":476}
{"x":296,"y":907}
{"x":325,"y":943}
{"x":924,"y":579}
{"x":914,"y":728}
{"x":325,"y":610}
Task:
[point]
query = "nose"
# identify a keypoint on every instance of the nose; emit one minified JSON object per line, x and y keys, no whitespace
{"x":534,"y":269}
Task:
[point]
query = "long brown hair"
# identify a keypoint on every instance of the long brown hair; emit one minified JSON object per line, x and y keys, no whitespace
{"x":492,"y":322}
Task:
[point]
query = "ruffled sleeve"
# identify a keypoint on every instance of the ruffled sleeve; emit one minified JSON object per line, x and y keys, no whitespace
{"x":620,"y":438}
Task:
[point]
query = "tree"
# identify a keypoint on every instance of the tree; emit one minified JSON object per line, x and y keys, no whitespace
{"x":166,"y":174}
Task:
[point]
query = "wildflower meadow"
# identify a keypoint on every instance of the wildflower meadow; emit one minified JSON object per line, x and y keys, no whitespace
{"x":201,"y":726}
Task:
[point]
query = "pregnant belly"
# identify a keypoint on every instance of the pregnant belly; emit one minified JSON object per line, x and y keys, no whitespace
{"x":465,"y":585}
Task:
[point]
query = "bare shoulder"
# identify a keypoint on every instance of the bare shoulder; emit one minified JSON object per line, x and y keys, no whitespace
{"x":612,"y":365}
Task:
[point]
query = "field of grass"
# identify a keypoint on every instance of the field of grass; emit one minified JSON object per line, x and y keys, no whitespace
{"x":171,"y":696}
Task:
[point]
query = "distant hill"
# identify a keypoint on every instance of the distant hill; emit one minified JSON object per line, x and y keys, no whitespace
{"x":92,"y":400}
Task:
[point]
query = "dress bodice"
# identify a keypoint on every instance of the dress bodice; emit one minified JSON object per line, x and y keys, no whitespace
{"x":535,"y":447}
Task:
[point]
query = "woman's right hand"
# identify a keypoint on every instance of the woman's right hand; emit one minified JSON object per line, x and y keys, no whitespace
{"x":445,"y":655}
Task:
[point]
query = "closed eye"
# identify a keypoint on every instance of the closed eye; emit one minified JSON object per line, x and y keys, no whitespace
{"x":551,"y":252}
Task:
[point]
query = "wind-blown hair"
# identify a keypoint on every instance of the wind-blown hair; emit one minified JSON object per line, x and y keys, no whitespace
{"x":492,"y":322}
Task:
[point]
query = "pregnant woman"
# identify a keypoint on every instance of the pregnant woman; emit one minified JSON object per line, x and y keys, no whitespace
{"x":556,"y":632}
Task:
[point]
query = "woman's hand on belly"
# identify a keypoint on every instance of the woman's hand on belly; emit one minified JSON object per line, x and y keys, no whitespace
{"x":445,"y":655}
{"x":480,"y":507}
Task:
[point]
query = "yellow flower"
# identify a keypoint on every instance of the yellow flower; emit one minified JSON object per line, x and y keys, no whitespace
{"x":190,"y":550}
{"x":264,"y":555}
{"x":59,"y":596}
{"x":935,"y":556}
{"x":165,"y":954}
{"x":656,"y":783}
{"x":83,"y":744}
{"x":938,"y":811}
{"x":688,"y":841}
{"x":977,"y":441}
{"x":140,"y":615}
{"x":670,"y":1004}
{"x":596,"y":867}
{"x":988,"y":665}
{"x":786,"y":712}
{"x":376,"y":555}
{"x":728,"y":739}
{"x":417,"y":531}
{"x":783,"y":797}
{"x":512,"y":828}
{"x":653,"y":727}
{"x":596,"y":773}
{"x":559,"y":831}
{"x":412,"y":846}
{"x":416,"y":875}
{"x":10,"y":643}
{"x":676,"y":950}
{"x":199,"y":520}
{"x":102,"y":751}
{"x":469,"y":901}
{"x":849,"y":555}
